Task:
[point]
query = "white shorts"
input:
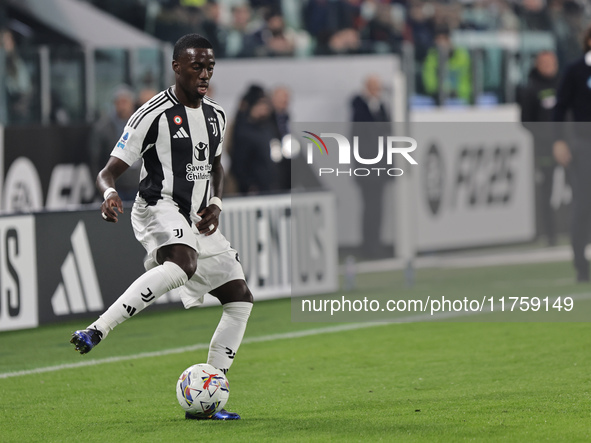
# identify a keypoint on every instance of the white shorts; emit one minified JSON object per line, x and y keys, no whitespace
{"x":163,"y":224}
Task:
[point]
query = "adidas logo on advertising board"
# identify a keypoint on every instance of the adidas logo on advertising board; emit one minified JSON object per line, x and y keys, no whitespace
{"x":79,"y":291}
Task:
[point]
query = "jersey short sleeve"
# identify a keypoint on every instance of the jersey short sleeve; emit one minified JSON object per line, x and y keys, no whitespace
{"x":141,"y":130}
{"x":129,"y":146}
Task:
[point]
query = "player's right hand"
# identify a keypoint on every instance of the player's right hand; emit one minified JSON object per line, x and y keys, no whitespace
{"x":109,"y":205}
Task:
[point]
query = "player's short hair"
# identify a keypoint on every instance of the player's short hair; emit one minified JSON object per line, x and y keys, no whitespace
{"x":190,"y":41}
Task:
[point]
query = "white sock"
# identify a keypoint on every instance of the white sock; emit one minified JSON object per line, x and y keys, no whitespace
{"x":228,"y":335}
{"x":142,"y":293}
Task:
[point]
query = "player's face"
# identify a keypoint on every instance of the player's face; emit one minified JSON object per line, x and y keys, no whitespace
{"x":193,"y":70}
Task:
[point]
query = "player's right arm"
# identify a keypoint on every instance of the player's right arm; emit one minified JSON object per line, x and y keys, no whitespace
{"x":137,"y":137}
{"x":105,"y":180}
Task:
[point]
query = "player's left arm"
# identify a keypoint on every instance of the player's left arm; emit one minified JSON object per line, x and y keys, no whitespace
{"x":210,"y":215}
{"x":217,"y":177}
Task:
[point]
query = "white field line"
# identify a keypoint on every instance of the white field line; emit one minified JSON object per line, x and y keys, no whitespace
{"x":272,"y":337}
{"x":196,"y":347}
{"x":470,"y":260}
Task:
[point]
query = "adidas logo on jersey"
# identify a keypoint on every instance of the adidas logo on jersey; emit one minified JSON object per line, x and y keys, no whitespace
{"x":181,"y":133}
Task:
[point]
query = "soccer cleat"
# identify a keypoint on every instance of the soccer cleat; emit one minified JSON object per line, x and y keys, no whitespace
{"x":220,"y":415}
{"x":86,"y":339}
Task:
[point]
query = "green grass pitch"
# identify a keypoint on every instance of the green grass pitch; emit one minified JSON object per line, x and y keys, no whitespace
{"x":427,"y":381}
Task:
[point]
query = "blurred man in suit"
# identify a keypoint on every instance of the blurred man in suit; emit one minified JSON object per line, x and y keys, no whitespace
{"x":537,"y":101}
{"x":368,"y":107}
{"x":574,"y":95}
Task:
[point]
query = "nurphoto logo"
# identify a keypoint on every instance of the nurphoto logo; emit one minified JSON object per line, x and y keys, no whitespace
{"x":380,"y":165}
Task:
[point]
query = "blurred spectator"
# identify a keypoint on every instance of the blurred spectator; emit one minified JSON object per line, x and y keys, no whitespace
{"x":574,"y":95}
{"x":447,"y":15}
{"x":383,"y":33}
{"x":325,"y":19}
{"x":193,"y":3}
{"x":175,"y":21}
{"x":213,"y":30}
{"x":534,"y":16}
{"x":273,"y":39}
{"x":320,"y":20}
{"x":537,"y":103}
{"x":17,"y":83}
{"x":345,"y":41}
{"x":240,"y":28}
{"x":489,"y":15}
{"x":144,"y":95}
{"x":477,"y":16}
{"x":130,"y":11}
{"x":369,"y":107}
{"x":568,"y":24}
{"x":377,"y":23}
{"x":422,"y":31}
{"x":266,"y":4}
{"x":105,"y":134}
{"x":452,"y":66}
{"x":507,"y":19}
{"x":280,"y":99}
{"x":349,"y":13}
{"x":254,"y":130}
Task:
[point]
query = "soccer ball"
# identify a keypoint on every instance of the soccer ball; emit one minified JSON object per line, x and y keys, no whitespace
{"x":202,"y":390}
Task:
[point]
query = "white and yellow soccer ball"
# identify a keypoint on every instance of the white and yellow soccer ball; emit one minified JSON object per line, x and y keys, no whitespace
{"x":202,"y":390}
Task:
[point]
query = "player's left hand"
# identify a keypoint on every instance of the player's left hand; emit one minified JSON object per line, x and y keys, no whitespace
{"x":209,"y":220}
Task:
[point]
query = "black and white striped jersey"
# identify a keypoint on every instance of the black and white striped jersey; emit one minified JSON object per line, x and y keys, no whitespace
{"x":177,"y":145}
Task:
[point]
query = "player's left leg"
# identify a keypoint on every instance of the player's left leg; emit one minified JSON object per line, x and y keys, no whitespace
{"x":236,"y":301}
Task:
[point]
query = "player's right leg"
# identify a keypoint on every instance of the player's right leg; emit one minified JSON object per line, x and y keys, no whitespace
{"x":171,"y":249}
{"x":178,"y":264}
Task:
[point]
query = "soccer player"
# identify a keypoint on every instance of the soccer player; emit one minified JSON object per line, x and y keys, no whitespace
{"x":178,"y":134}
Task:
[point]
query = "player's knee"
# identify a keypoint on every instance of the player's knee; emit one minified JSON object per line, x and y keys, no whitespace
{"x":189,"y":267}
{"x":183,"y":256}
{"x":243,"y":293}
{"x":233,"y":291}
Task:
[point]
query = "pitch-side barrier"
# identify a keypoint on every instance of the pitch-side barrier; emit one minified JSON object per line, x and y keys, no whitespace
{"x":58,"y":266}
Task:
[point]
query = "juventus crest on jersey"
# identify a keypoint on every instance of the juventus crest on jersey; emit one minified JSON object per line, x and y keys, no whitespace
{"x":178,"y":146}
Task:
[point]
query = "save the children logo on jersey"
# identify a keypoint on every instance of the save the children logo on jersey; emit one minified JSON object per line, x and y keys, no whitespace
{"x":199,"y":171}
{"x":201,"y":151}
